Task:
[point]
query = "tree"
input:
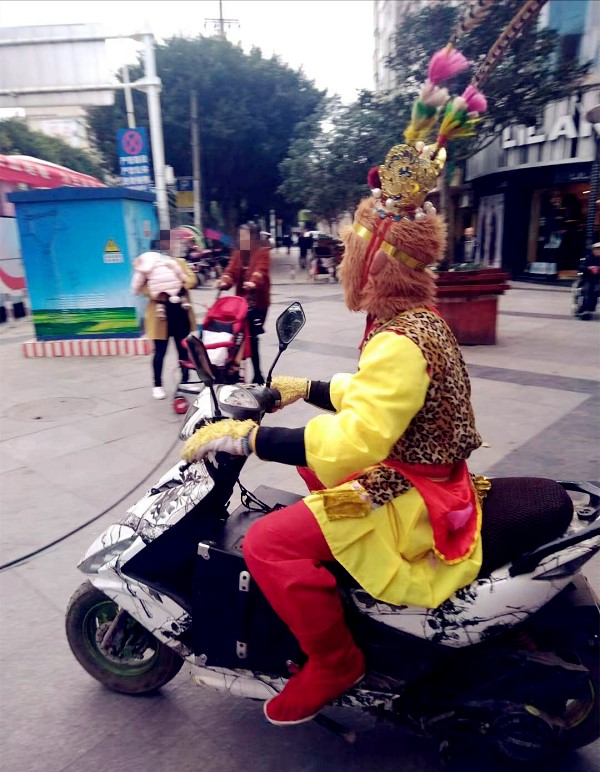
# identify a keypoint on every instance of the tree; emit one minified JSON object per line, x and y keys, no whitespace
{"x":17,"y":139}
{"x":326,"y":167}
{"x":334,"y":163}
{"x":249,"y":110}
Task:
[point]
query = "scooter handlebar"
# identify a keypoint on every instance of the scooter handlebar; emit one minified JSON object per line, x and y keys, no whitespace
{"x":268,"y":398}
{"x":275,"y":397}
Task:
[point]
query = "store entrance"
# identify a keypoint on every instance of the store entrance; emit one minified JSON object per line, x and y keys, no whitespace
{"x":557,"y":227}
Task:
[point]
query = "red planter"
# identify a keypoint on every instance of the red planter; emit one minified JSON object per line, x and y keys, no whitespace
{"x":468,"y":301}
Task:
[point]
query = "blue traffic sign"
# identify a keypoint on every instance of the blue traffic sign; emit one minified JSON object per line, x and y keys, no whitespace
{"x":134,"y":158}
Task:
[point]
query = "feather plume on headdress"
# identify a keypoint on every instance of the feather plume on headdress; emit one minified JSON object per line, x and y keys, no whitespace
{"x":474,"y":13}
{"x":521,"y":22}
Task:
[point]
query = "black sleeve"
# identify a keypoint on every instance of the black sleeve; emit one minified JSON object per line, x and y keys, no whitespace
{"x":318,"y":395}
{"x":283,"y":445}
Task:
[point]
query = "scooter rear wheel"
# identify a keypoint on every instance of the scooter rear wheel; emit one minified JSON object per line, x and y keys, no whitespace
{"x":137,"y":662}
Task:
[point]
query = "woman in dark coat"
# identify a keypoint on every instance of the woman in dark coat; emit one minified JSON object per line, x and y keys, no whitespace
{"x":249,"y":271}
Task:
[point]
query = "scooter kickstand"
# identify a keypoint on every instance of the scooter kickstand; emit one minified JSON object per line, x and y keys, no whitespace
{"x":349,"y":735}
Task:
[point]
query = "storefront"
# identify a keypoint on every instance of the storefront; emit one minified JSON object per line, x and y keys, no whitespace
{"x":531,"y":190}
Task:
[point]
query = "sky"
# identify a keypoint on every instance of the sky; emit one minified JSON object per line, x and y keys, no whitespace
{"x":331,"y":40}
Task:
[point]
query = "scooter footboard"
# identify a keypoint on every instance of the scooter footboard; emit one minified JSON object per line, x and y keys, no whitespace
{"x":249,"y":635}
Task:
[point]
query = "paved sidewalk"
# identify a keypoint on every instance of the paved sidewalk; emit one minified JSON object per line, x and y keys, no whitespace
{"x":75,"y":435}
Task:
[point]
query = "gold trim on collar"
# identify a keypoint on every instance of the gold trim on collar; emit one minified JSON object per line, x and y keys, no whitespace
{"x":392,"y":251}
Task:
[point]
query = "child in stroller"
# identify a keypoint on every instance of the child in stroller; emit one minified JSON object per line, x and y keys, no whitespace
{"x":225,"y":336}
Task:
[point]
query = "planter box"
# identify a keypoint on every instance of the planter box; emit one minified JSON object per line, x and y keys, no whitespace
{"x":468,"y":301}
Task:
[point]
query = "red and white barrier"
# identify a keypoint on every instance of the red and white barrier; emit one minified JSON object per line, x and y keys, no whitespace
{"x":104,"y":347}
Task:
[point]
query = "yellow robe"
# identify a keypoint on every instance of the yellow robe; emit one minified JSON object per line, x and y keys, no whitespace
{"x":389,"y":550}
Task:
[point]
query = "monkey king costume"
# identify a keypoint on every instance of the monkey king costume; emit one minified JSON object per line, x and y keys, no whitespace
{"x":392,"y":499}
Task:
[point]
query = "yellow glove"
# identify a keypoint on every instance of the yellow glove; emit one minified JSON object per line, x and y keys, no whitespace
{"x":227,"y":436}
{"x":291,"y":389}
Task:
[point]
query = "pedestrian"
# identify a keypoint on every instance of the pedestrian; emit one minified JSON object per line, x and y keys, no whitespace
{"x":589,"y":282}
{"x":249,"y":271}
{"x":391,"y":497}
{"x":305,"y":243}
{"x":466,"y":247}
{"x":287,"y":242}
{"x":178,"y":319}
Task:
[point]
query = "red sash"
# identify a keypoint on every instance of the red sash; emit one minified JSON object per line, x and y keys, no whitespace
{"x":452,"y":504}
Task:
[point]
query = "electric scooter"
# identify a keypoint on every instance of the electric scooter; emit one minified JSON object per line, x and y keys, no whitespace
{"x":511,"y":659}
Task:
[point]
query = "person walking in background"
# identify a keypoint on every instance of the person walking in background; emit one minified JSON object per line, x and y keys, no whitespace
{"x":287,"y":242}
{"x":305,"y":243}
{"x":249,"y":271}
{"x":467,"y":247}
{"x":166,"y":320}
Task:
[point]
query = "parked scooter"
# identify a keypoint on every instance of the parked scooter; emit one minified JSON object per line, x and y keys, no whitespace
{"x":512,"y":658}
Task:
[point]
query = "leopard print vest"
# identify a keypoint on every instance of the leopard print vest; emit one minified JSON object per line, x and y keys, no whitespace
{"x":443,"y":431}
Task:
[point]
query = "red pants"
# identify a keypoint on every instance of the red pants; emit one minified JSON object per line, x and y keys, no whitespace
{"x":284,"y":551}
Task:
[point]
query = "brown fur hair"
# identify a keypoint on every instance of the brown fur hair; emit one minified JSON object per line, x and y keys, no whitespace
{"x":396,"y":287}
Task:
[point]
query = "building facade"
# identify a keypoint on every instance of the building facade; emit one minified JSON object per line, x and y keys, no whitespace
{"x":387,"y":16}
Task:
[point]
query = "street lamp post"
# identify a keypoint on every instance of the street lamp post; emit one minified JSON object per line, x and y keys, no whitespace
{"x":593,"y":117}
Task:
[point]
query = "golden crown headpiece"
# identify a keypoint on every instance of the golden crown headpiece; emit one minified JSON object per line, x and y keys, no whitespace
{"x":411,"y":170}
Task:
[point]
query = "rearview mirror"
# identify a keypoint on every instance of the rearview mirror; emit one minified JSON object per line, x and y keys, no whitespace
{"x":199,"y":356}
{"x":289,"y":324}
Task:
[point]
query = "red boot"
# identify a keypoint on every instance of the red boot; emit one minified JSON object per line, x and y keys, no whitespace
{"x":334,"y":665}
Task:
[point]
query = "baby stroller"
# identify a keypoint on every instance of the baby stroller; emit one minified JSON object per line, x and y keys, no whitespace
{"x":225,"y":336}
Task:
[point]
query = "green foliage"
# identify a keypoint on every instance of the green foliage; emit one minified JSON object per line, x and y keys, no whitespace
{"x":326,"y":169}
{"x":17,"y":139}
{"x":249,"y":108}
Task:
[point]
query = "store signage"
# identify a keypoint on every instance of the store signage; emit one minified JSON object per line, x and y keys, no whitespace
{"x":563,"y":126}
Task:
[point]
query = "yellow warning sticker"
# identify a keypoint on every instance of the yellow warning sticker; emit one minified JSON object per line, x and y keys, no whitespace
{"x":111,"y":246}
{"x":112,"y":253}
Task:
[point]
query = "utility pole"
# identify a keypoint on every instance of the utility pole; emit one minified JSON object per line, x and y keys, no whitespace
{"x":128,"y":98}
{"x":152,"y":87}
{"x":196,"y":161}
{"x":220,"y":23}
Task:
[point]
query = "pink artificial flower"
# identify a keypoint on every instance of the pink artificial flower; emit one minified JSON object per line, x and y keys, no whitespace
{"x":445,"y":63}
{"x":476,"y":102}
{"x":433,"y":95}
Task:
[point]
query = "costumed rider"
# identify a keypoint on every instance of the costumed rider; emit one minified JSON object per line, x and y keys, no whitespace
{"x":392,"y":499}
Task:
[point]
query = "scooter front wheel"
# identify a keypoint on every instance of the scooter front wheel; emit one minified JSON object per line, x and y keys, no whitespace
{"x":134,"y":662}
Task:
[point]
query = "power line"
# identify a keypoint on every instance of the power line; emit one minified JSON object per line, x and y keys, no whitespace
{"x":220,"y":23}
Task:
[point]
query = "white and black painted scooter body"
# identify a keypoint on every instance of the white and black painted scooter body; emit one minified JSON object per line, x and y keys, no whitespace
{"x":484,"y":611}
